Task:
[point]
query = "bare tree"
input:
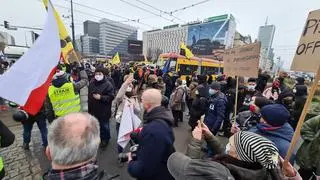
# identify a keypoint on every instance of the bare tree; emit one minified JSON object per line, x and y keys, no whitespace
{"x":157,"y":53}
{"x":149,"y":53}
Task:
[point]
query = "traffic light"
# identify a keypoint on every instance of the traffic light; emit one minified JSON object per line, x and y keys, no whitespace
{"x":6,"y":24}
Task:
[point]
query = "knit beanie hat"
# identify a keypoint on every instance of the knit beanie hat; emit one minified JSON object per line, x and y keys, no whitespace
{"x":275,"y":114}
{"x":215,"y":85}
{"x":251,"y":147}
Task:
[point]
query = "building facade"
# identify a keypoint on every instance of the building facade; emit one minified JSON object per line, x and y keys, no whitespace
{"x":90,"y":45}
{"x":91,"y":28}
{"x":163,"y":40}
{"x":204,"y":38}
{"x":6,"y":38}
{"x":114,"y":36}
{"x":265,"y":36}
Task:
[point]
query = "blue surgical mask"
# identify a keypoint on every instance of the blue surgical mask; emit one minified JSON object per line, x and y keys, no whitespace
{"x":212,"y":92}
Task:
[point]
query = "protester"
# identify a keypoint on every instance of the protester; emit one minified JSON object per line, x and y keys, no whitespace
{"x":6,"y":139}
{"x":101,"y":94}
{"x":40,"y":119}
{"x":247,"y":156}
{"x":161,"y":85}
{"x":176,"y":102}
{"x":64,"y":94}
{"x":275,"y":127}
{"x":155,"y":140}
{"x":301,"y":94}
{"x":215,"y":114}
{"x":249,"y":93}
{"x":127,"y":94}
{"x":191,"y":95}
{"x":115,"y":75}
{"x":73,"y":146}
{"x":308,"y":155}
{"x":262,"y":81}
{"x":272,"y":92}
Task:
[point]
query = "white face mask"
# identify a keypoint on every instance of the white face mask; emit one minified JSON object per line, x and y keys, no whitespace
{"x":98,"y":77}
{"x":176,"y":84}
{"x":251,"y":87}
{"x":60,"y":73}
{"x":196,"y":92}
{"x":129,"y":89}
{"x":212,"y":91}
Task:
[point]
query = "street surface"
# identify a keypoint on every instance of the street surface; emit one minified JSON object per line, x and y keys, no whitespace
{"x":29,"y":165}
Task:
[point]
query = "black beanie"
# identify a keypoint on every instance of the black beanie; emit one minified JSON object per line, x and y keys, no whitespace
{"x":252,"y":80}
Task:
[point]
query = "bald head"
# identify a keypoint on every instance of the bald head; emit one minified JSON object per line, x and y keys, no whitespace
{"x":151,"y":98}
{"x":73,"y":138}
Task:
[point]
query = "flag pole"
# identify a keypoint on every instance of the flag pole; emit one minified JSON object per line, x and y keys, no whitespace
{"x":236,"y":102}
{"x":303,"y":116}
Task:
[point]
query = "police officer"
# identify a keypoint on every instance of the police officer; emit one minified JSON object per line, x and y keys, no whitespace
{"x":64,"y":94}
{"x":6,"y":139}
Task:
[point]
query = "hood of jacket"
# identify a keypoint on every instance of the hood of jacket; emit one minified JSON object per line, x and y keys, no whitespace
{"x":159,"y":113}
{"x":284,"y":132}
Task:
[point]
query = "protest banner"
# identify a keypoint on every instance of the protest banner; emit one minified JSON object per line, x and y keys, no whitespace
{"x":242,"y":61}
{"x":307,"y":58}
{"x":308,"y":50}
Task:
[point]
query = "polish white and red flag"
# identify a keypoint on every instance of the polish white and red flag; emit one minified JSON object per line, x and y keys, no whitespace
{"x":27,"y":81}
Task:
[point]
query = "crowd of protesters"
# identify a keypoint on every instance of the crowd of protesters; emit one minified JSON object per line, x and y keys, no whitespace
{"x":267,"y":111}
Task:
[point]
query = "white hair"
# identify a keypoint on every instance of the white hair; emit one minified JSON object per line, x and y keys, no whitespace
{"x":67,"y":148}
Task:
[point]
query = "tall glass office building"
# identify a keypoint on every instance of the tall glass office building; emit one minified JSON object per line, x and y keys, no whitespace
{"x":114,"y":36}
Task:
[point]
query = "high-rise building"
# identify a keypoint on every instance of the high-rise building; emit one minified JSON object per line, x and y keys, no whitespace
{"x":203,"y":38}
{"x":7,"y":38}
{"x":91,"y":28}
{"x":90,"y":45}
{"x":265,"y":36}
{"x":114,"y":36}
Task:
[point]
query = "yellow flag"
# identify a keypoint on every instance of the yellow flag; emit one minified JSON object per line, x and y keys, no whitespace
{"x":65,"y":40}
{"x":187,"y":51}
{"x":116,"y":59}
{"x":145,"y":58}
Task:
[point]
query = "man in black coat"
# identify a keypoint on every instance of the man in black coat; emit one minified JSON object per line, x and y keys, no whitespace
{"x":155,"y":140}
{"x":100,"y":96}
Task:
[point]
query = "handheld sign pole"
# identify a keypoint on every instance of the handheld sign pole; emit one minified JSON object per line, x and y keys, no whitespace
{"x":303,"y":116}
{"x":236,"y":102}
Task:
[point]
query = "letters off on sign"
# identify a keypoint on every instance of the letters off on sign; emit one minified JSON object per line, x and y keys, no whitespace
{"x":307,"y":57}
{"x":242,"y":61}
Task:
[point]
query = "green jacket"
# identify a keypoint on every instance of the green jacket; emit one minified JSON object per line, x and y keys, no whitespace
{"x":308,"y":155}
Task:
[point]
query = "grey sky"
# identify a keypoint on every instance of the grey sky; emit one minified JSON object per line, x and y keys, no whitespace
{"x":287,"y":15}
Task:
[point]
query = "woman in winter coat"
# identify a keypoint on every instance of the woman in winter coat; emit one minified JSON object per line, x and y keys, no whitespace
{"x":308,"y":155}
{"x":247,"y":156}
{"x":176,"y":102}
{"x":126,"y":94}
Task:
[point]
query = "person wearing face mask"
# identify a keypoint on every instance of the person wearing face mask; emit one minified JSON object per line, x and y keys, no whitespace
{"x":246,"y":156}
{"x":249,"y":93}
{"x":176,"y":102}
{"x":63,"y":94}
{"x":215,"y":114}
{"x":100,"y":96}
{"x":274,"y":126}
{"x":301,"y":94}
{"x":126,"y":94}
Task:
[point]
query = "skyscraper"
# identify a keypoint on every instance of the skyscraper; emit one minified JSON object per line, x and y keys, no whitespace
{"x":114,"y":37}
{"x":265,"y":36}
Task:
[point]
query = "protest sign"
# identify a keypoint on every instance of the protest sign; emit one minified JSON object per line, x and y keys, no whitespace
{"x":242,"y":61}
{"x":308,"y":51}
{"x":307,"y":59}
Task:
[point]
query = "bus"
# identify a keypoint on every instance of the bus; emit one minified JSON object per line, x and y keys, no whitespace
{"x":173,"y":62}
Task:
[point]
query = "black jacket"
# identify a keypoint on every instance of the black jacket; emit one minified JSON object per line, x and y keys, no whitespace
{"x":101,"y":109}
{"x":6,"y":136}
{"x":155,"y":146}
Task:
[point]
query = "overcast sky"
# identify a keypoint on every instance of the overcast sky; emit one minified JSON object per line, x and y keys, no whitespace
{"x":287,"y":15}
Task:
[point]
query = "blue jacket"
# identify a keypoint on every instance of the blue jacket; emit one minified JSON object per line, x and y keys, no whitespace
{"x":280,"y":136}
{"x":215,"y":114}
{"x":155,"y":146}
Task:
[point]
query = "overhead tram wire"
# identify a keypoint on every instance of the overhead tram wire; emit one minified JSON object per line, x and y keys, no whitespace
{"x":190,"y":6}
{"x":161,"y":11}
{"x":115,"y":15}
{"x":146,"y":10}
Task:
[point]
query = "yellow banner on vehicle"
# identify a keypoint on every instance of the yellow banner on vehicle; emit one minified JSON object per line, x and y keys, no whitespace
{"x":65,"y":40}
{"x":116,"y":59}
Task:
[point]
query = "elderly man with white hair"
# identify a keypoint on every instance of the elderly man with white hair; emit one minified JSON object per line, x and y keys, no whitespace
{"x":73,"y":145}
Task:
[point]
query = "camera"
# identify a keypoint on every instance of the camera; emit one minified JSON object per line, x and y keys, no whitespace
{"x":123,"y":157}
{"x":134,"y":141}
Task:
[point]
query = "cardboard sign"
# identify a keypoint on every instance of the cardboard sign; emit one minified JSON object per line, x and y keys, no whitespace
{"x":242,"y":61}
{"x":307,"y":56}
